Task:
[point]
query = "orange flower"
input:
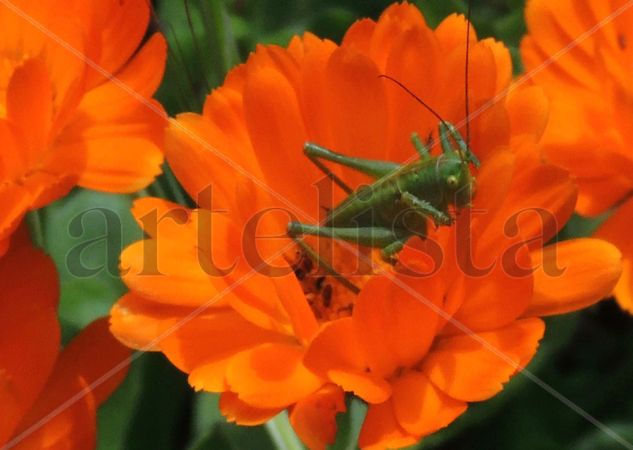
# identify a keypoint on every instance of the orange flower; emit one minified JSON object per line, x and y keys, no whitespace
{"x":62,"y":122}
{"x":232,"y":302}
{"x":420,"y":348}
{"x":44,"y":392}
{"x":589,"y":88}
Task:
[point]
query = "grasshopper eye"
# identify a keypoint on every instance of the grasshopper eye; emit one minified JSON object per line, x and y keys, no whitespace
{"x":452,"y":181}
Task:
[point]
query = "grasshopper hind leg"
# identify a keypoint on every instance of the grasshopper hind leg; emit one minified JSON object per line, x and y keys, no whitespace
{"x":375,"y":237}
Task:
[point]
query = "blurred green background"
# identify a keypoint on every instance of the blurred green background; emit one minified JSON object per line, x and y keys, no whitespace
{"x":587,"y":357}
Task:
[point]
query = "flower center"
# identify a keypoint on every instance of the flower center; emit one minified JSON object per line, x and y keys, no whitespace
{"x":328,"y":297}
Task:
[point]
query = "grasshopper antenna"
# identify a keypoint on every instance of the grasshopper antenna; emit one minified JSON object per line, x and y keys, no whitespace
{"x":426,"y":105}
{"x":418,"y":99}
{"x":467,"y":70}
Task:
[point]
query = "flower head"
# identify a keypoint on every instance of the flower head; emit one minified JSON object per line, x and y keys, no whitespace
{"x":67,"y":115}
{"x":580,"y":56}
{"x":241,"y":308}
{"x":46,"y":394}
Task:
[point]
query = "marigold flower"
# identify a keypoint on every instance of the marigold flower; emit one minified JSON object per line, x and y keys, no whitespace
{"x":586,"y":75}
{"x":62,"y":122}
{"x":39,"y":384}
{"x":253,"y":319}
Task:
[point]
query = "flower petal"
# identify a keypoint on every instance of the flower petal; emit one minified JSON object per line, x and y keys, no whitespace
{"x":572,"y":275}
{"x":420,"y":407}
{"x":345,"y":364}
{"x":314,"y":417}
{"x":270,"y":106}
{"x":241,"y":413}
{"x":475,"y":367}
{"x":103,"y":374}
{"x":396,"y":320}
{"x":357,"y":108}
{"x":381,"y":429}
{"x":202,"y":341}
{"x":138,"y":322}
{"x":28,"y":316}
{"x":616,"y":230}
{"x":30,"y":105}
{"x":271,"y":376}
{"x":64,"y":416}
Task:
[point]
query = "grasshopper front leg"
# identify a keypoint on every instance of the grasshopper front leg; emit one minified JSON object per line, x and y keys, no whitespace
{"x":426,"y":209}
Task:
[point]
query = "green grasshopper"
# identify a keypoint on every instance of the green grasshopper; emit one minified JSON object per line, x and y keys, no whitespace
{"x":398,"y":205}
{"x":403,"y":198}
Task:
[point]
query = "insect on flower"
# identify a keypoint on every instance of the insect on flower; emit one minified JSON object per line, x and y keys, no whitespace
{"x":401,"y":200}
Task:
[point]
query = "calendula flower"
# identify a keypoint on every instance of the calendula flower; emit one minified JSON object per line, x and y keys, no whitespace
{"x":586,"y":75}
{"x":45,"y":392}
{"x":62,"y":121}
{"x":232,"y":301}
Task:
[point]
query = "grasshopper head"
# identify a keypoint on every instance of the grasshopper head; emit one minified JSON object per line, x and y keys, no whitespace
{"x":457,"y":183}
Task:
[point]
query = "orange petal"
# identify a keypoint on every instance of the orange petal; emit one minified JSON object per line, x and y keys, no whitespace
{"x":395,"y":20}
{"x":121,"y":26}
{"x":475,"y":367}
{"x":202,"y":340}
{"x":314,"y":418}
{"x":168,"y":272}
{"x":358,"y":36}
{"x":420,"y":407}
{"x":451,"y":32}
{"x":28,"y":316}
{"x":345,"y":365}
{"x":574,"y":274}
{"x":16,"y":201}
{"x":139,"y":323}
{"x":553,"y":29}
{"x":314,"y":80}
{"x":615,"y":230}
{"x":270,"y":105}
{"x":63,"y":417}
{"x":381,"y":429}
{"x":235,"y":410}
{"x":30,"y":106}
{"x":357,"y":108}
{"x":201,"y":154}
{"x":156,"y":215}
{"x":540,"y":201}
{"x":119,"y":164}
{"x":395,"y":321}
{"x":271,"y":376}
{"x":294,"y":301}
{"x":528,"y":108}
{"x":597,"y":195}
{"x":136,"y":83}
{"x":365,"y":385}
{"x":419,"y":44}
{"x":103,"y":374}
{"x":496,"y":297}
{"x":493,"y":182}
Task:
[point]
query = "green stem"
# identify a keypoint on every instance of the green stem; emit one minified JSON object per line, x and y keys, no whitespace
{"x":282,"y":433}
{"x":222,"y":41}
